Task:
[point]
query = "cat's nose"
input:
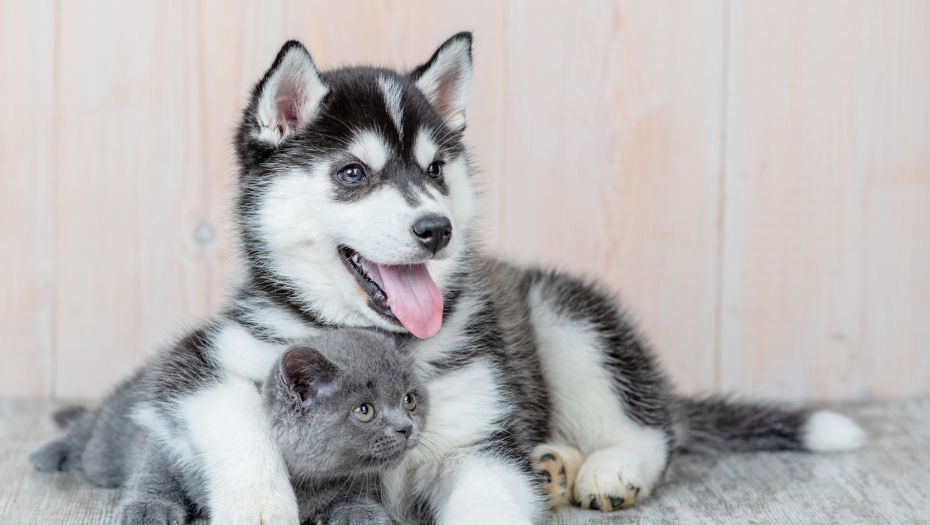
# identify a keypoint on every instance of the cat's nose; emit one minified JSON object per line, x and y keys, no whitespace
{"x":404,"y":429}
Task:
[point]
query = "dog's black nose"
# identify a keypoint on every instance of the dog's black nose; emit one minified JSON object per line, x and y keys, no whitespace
{"x":433,"y":231}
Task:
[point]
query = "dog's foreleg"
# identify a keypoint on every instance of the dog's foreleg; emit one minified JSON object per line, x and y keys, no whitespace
{"x":247,"y":480}
{"x":152,"y":494}
{"x":488,"y":490}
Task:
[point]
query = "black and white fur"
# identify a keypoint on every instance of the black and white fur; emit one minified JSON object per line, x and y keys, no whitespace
{"x":524,"y":359}
{"x":310,"y":398}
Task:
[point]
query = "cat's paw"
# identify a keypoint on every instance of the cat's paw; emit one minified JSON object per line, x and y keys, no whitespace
{"x":52,"y":456}
{"x":152,"y":513}
{"x":354,"y":513}
{"x":557,"y":466}
{"x":610,"y":479}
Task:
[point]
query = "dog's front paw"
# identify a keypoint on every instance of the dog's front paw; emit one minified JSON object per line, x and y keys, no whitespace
{"x":255,"y":511}
{"x":610,"y":479}
{"x":557,"y":466}
{"x":152,"y":513}
{"x":255,"y":516}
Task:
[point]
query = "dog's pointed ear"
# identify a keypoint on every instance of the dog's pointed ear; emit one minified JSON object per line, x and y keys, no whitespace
{"x":446,"y":77}
{"x":289,"y":95}
{"x":308,"y":374}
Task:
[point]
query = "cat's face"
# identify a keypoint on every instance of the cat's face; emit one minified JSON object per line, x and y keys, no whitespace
{"x":344,"y":404}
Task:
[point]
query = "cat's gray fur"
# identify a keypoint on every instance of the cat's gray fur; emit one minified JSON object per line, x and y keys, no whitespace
{"x":309,"y":396}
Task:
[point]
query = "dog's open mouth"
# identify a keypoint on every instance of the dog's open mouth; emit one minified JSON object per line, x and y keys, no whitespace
{"x":403,"y":293}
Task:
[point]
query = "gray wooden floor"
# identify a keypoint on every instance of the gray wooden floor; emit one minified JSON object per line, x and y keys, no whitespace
{"x":886,"y":482}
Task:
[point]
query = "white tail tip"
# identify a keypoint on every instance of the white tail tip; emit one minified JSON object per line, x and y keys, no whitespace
{"x":828,"y":431}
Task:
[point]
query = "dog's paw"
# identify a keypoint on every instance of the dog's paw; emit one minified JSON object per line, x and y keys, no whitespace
{"x":152,"y":513}
{"x":265,"y":516}
{"x":254,"y":511}
{"x":52,"y":456}
{"x":557,"y":466}
{"x":610,"y":479}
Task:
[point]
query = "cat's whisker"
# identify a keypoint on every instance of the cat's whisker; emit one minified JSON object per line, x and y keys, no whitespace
{"x":351,"y":479}
{"x":439,"y":434}
{"x":425,"y":441}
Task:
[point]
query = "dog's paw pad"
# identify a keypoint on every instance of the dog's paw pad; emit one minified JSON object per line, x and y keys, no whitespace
{"x":550,"y":467}
{"x":608,"y":481}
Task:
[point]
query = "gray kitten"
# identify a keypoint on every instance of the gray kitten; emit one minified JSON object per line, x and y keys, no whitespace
{"x":342,"y":406}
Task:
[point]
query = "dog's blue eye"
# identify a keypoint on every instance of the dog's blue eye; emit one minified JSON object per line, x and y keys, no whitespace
{"x":352,"y":175}
{"x":435,"y":170}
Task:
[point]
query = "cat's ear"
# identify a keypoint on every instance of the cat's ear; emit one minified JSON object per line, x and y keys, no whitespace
{"x":445,"y":79}
{"x":289,"y":95}
{"x":308,"y":374}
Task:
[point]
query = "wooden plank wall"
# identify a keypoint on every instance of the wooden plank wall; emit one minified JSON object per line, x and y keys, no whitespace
{"x":754,"y":177}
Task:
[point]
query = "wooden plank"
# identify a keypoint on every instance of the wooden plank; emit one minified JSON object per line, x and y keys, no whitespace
{"x":122,"y":136}
{"x":827,"y":229}
{"x":885,"y":482}
{"x":613,"y":131}
{"x":27,"y":189}
{"x":142,"y":247}
{"x":894,"y":155}
{"x":403,"y":34}
{"x":230,"y":45}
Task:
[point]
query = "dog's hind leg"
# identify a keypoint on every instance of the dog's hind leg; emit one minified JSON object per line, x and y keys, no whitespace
{"x":52,"y":456}
{"x":153,"y":495}
{"x":607,"y":398}
{"x":65,"y":451}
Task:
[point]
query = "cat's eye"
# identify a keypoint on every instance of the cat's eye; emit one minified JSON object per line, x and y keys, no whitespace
{"x":410,"y":402}
{"x":435,"y":170}
{"x":351,"y":175}
{"x":364,"y":412}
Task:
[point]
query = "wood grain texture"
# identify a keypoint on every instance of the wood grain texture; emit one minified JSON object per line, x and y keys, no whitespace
{"x":752,"y":176}
{"x":885,"y":482}
{"x":827,"y":223}
{"x":613,"y":132}
{"x":137,"y":244}
{"x":27,"y":190}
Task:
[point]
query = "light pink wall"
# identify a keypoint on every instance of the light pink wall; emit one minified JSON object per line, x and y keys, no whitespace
{"x":754,"y":177}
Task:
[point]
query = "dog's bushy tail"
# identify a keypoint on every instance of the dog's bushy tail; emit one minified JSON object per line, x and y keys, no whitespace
{"x":715,"y":424}
{"x":66,"y":416}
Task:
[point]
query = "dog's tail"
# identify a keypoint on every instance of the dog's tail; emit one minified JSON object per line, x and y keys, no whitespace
{"x":715,"y":424}
{"x":66,"y":416}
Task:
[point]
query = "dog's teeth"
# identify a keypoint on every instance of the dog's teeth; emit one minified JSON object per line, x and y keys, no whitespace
{"x":355,"y":258}
{"x":387,"y":302}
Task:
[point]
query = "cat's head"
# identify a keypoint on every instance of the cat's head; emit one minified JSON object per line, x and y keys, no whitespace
{"x":345,"y":402}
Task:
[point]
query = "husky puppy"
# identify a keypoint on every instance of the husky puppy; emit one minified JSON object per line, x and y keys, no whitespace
{"x":342,"y":407}
{"x":357,"y":207}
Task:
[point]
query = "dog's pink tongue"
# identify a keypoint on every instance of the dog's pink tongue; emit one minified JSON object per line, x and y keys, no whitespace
{"x":415,"y":298}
